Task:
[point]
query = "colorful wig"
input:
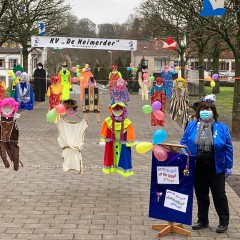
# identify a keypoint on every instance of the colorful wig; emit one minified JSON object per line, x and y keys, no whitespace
{"x":9,"y":102}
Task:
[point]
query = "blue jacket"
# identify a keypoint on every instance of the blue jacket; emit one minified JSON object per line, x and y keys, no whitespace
{"x":223,"y":151}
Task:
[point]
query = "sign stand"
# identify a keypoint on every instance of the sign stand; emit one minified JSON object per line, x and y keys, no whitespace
{"x":171,"y":227}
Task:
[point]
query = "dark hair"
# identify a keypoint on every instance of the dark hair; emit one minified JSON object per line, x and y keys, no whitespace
{"x":144,"y":67}
{"x":205,"y":106}
{"x":70,"y":103}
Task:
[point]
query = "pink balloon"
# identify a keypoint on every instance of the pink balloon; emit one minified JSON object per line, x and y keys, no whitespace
{"x":131,"y":65}
{"x":145,"y":76}
{"x":159,"y":115}
{"x":73,"y":69}
{"x":145,"y":81}
{"x":160,"y":153}
{"x":60,"y":109}
{"x":156,"y":106}
{"x":75,"y":79}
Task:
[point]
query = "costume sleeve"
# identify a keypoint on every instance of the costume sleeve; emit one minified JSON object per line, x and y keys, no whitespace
{"x":103,"y":132}
{"x":184,"y":140}
{"x":120,"y":75}
{"x":4,"y":85}
{"x":228,"y":150}
{"x":59,"y":77}
{"x":130,"y":136}
{"x":152,"y":90}
{"x":31,"y":96}
{"x":48,"y":91}
{"x":109,"y":75}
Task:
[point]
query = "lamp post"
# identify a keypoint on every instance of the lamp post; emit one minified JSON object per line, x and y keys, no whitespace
{"x":110,"y":58}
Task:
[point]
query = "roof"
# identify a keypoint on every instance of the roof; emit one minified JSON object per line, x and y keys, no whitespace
{"x":227,"y":54}
{"x":9,"y":50}
{"x":154,"y":48}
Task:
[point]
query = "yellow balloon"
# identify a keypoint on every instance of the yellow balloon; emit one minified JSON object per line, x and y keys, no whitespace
{"x":11,"y":73}
{"x":177,"y":68}
{"x":77,"y":70}
{"x":144,"y":147}
{"x":212,"y":84}
{"x":86,"y":66}
{"x":84,"y":70}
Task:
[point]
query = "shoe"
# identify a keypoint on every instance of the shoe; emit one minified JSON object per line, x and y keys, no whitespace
{"x":199,"y":225}
{"x":221,"y":228}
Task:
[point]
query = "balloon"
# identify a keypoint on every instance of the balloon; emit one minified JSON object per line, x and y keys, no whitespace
{"x":18,"y":73}
{"x":159,"y":115}
{"x":151,"y":78}
{"x":215,"y":76}
{"x":145,"y":81}
{"x":51,"y":115}
{"x":212,"y":84}
{"x":78,"y":75}
{"x":144,"y":147}
{"x":159,"y":136}
{"x":131,"y":65}
{"x":75,"y":79}
{"x":73,"y":69}
{"x":11,"y":73}
{"x":84,"y":70}
{"x":60,"y":109}
{"x":145,"y":76}
{"x":177,"y":68}
{"x":77,"y":70}
{"x":147,"y":109}
{"x":128,"y":69}
{"x":160,"y":153}
{"x":156,"y":106}
{"x":77,"y":66}
{"x":173,"y":71}
{"x":13,"y":78}
{"x":208,"y":78}
{"x":88,"y":69}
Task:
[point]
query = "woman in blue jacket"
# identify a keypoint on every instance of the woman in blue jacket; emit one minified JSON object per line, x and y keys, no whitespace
{"x":210,"y":141}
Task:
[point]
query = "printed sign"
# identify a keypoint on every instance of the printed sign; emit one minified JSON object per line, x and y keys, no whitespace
{"x":176,"y":201}
{"x":167,"y":175}
{"x":85,"y":43}
{"x":213,"y":8}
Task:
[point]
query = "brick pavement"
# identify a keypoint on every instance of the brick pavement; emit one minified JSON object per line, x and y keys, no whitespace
{"x":40,"y":201}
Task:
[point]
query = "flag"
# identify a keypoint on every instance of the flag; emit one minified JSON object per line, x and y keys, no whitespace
{"x":213,"y":8}
{"x":169,"y":43}
{"x":42,"y":31}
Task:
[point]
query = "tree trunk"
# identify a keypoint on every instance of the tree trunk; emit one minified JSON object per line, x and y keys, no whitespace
{"x":25,"y":59}
{"x":236,"y":101}
{"x":216,"y":57}
{"x":182,"y":63}
{"x":201,"y":74}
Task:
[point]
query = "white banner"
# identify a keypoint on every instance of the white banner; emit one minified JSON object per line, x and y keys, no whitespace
{"x":84,"y":43}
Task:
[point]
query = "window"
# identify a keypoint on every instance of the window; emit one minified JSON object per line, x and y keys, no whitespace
{"x":12,"y":63}
{"x":160,"y":64}
{"x":233,"y":66}
{"x":224,"y":66}
{"x":2,"y":63}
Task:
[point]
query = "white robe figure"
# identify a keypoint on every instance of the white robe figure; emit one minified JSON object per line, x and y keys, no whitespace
{"x":71,"y":139}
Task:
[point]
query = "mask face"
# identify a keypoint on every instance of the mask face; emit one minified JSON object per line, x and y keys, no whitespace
{"x":39,"y":67}
{"x":117,"y":111}
{"x":180,"y":84}
{"x":7,"y":110}
{"x":206,"y":114}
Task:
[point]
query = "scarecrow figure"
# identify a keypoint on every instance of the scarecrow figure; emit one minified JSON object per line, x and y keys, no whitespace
{"x":118,"y":133}
{"x":114,"y":75}
{"x":180,"y":102}
{"x":65,"y":80}
{"x":168,"y":81}
{"x":143,"y":82}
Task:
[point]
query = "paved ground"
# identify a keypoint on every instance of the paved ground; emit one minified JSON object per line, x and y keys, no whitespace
{"x":40,"y":201}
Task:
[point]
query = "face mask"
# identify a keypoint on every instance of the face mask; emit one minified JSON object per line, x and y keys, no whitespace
{"x":205,"y":115}
{"x":7,"y":111}
{"x":39,"y":67}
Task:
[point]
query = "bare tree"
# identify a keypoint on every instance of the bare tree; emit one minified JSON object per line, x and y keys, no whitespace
{"x":23,"y":17}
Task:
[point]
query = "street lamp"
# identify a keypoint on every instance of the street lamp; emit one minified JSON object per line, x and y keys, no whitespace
{"x":110,"y":58}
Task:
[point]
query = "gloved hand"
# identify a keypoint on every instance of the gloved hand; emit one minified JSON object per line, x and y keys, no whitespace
{"x":228,"y":172}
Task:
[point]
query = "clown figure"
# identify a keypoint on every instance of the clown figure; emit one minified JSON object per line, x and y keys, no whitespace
{"x":120,"y":93}
{"x":65,"y":80}
{"x":54,"y":92}
{"x":86,"y":74}
{"x":118,"y":133}
{"x":168,"y":81}
{"x":143,"y":82}
{"x":24,"y":93}
{"x":180,"y":102}
{"x":92,"y":100}
{"x":114,"y":75}
{"x":9,"y":132}
{"x":158,"y":94}
{"x":71,"y":137}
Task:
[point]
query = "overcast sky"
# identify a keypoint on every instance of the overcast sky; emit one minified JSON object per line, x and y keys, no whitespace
{"x":104,"y":11}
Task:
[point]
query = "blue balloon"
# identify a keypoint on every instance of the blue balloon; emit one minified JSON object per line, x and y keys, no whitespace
{"x":128,"y":69}
{"x":159,"y":136}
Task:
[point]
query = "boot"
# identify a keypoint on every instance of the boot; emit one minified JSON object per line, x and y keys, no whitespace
{"x":6,"y":163}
